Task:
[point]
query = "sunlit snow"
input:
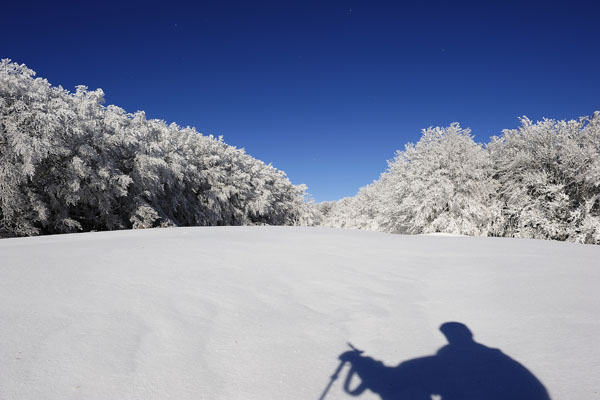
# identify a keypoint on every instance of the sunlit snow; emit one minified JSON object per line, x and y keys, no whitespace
{"x":265,"y":312}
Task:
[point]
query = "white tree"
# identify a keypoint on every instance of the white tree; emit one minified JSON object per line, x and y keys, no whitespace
{"x":549,"y":176}
{"x":441,"y":184}
{"x":68,"y":163}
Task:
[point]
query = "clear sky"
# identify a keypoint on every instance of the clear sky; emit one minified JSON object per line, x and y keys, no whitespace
{"x":324,"y":90}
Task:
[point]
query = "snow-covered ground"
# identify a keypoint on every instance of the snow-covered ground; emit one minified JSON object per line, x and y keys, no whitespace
{"x":264,"y":312}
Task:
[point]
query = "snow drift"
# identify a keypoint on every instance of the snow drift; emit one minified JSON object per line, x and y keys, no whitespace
{"x":265,"y":312}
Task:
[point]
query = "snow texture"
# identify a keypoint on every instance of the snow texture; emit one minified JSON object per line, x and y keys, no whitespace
{"x":265,"y":312}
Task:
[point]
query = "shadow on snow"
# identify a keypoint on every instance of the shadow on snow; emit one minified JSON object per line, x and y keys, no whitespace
{"x":461,"y":370}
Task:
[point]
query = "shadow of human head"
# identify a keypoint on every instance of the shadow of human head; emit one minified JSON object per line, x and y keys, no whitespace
{"x":461,"y":370}
{"x":457,"y":334}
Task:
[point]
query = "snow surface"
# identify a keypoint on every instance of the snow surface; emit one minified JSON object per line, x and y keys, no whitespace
{"x":264,"y":312}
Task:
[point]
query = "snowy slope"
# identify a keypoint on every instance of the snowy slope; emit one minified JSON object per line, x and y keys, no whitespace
{"x":264,"y":312}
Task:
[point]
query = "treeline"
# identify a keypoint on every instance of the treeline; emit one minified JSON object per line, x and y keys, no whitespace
{"x":541,"y":181}
{"x":68,"y":164}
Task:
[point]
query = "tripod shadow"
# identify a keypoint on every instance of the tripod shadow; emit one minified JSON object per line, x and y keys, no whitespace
{"x":461,"y":370}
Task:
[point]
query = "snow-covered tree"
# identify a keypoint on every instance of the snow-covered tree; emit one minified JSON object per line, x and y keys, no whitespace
{"x":441,"y":184}
{"x":68,"y":163}
{"x":549,"y":176}
{"x":539,"y":181}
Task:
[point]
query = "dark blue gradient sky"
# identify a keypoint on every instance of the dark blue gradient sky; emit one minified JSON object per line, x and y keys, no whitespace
{"x":324,"y":90}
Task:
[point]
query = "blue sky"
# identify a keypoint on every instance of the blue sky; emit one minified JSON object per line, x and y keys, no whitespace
{"x":324,"y":90}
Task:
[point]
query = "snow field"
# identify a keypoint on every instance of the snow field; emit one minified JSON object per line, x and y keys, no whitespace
{"x":264,"y":312}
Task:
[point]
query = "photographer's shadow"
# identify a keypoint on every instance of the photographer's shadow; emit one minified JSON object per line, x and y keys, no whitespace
{"x":461,"y":370}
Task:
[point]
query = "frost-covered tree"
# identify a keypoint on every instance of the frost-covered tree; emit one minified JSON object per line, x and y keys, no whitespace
{"x":441,"y":184}
{"x":539,"y":181}
{"x":358,"y":212}
{"x":549,"y":176}
{"x":68,"y":163}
